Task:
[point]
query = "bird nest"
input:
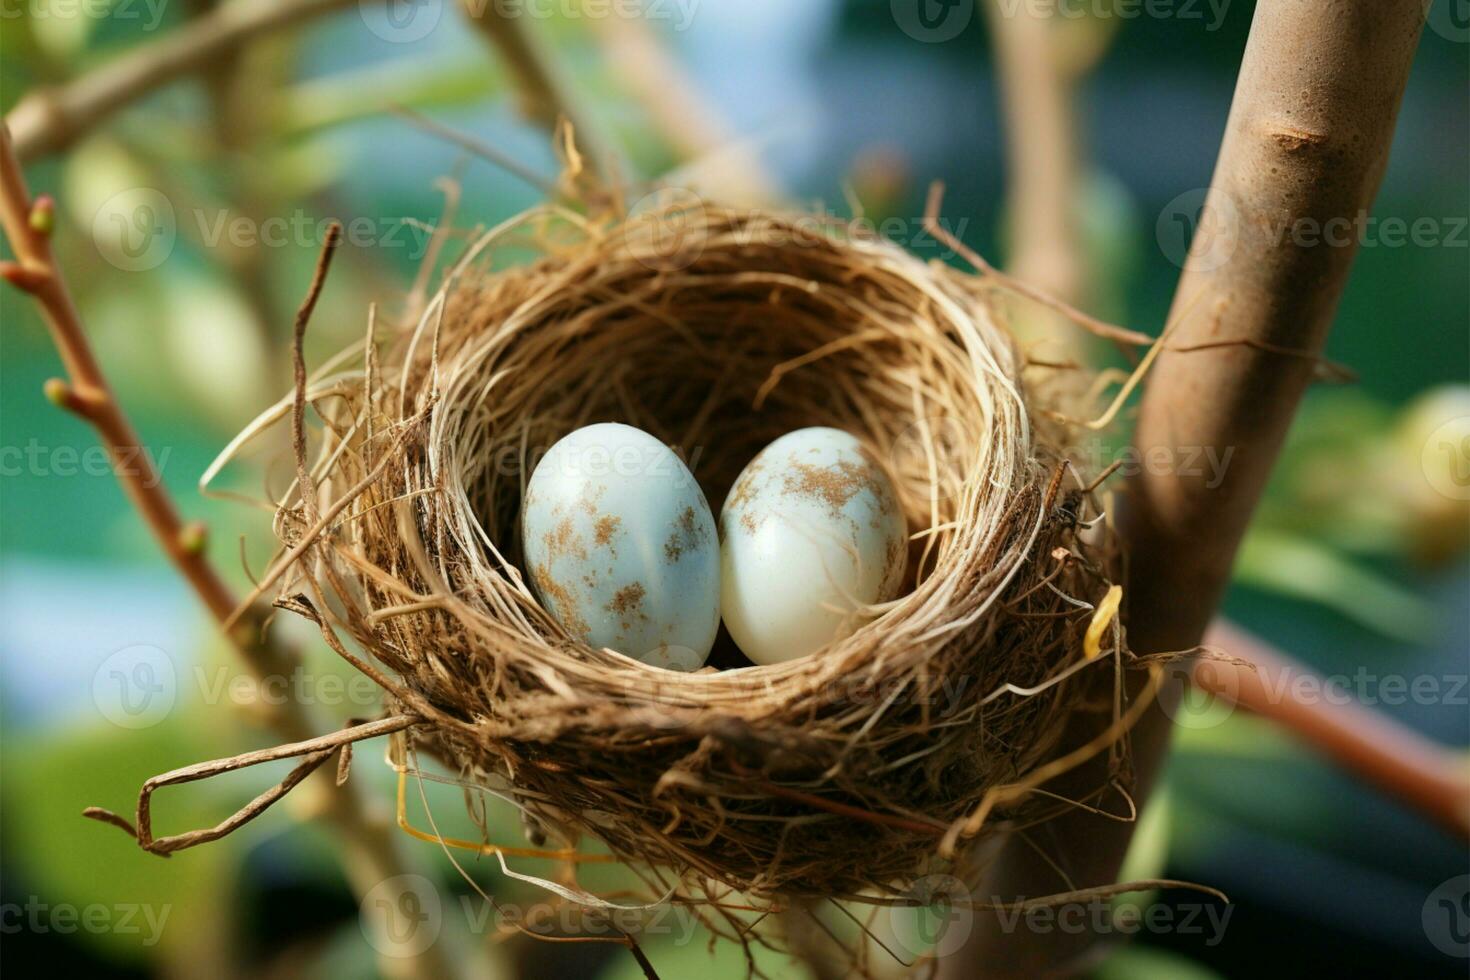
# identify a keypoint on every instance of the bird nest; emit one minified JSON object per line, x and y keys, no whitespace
{"x":847,"y":773}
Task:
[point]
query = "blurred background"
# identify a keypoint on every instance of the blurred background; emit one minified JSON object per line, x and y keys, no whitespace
{"x":189,"y":221}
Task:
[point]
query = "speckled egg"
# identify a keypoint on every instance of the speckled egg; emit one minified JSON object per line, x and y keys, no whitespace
{"x":621,"y":548}
{"x":811,"y":533}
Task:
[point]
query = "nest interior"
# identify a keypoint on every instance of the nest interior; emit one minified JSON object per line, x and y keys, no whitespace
{"x":717,"y":331}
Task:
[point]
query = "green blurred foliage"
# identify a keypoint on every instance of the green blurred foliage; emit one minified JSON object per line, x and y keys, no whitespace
{"x":51,"y":776}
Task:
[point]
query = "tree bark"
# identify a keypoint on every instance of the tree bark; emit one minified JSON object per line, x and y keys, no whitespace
{"x":49,"y":120}
{"x":1306,"y":144}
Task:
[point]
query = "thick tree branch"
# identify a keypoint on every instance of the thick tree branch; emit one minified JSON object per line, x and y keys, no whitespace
{"x":1307,"y":140}
{"x":51,"y":119}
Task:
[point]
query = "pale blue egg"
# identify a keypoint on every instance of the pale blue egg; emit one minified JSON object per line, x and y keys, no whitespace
{"x":621,"y":547}
{"x":812,"y":535}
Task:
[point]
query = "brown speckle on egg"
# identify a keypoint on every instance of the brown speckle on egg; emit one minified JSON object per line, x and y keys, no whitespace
{"x":834,"y":484}
{"x":686,"y":535}
{"x":563,"y":539}
{"x":628,"y":603}
{"x":603,"y":531}
{"x":591,"y":496}
{"x":628,"y":599}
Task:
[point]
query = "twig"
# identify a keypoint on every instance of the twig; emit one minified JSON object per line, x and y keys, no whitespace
{"x":478,"y":147}
{"x":935,"y":228}
{"x":546,"y":93}
{"x":641,"y":957}
{"x":298,"y":366}
{"x":1308,"y":137}
{"x":369,"y":852}
{"x":49,"y":120}
{"x":316,"y":751}
{"x":87,"y":393}
{"x":1368,"y":743}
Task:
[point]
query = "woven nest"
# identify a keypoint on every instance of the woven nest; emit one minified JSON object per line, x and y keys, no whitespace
{"x":844,"y":773}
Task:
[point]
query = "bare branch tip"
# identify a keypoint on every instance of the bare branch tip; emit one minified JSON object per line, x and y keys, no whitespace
{"x":42,"y":219}
{"x":26,"y":278}
{"x":83,"y":402}
{"x":193,"y":537}
{"x":58,"y":392}
{"x":102,"y":815}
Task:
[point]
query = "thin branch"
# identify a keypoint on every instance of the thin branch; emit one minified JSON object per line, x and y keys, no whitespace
{"x":87,"y":393}
{"x":546,"y":93}
{"x":50,"y":119}
{"x":1368,"y":743}
{"x":478,"y":147}
{"x":369,"y":852}
{"x":640,"y":957}
{"x":935,"y":228}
